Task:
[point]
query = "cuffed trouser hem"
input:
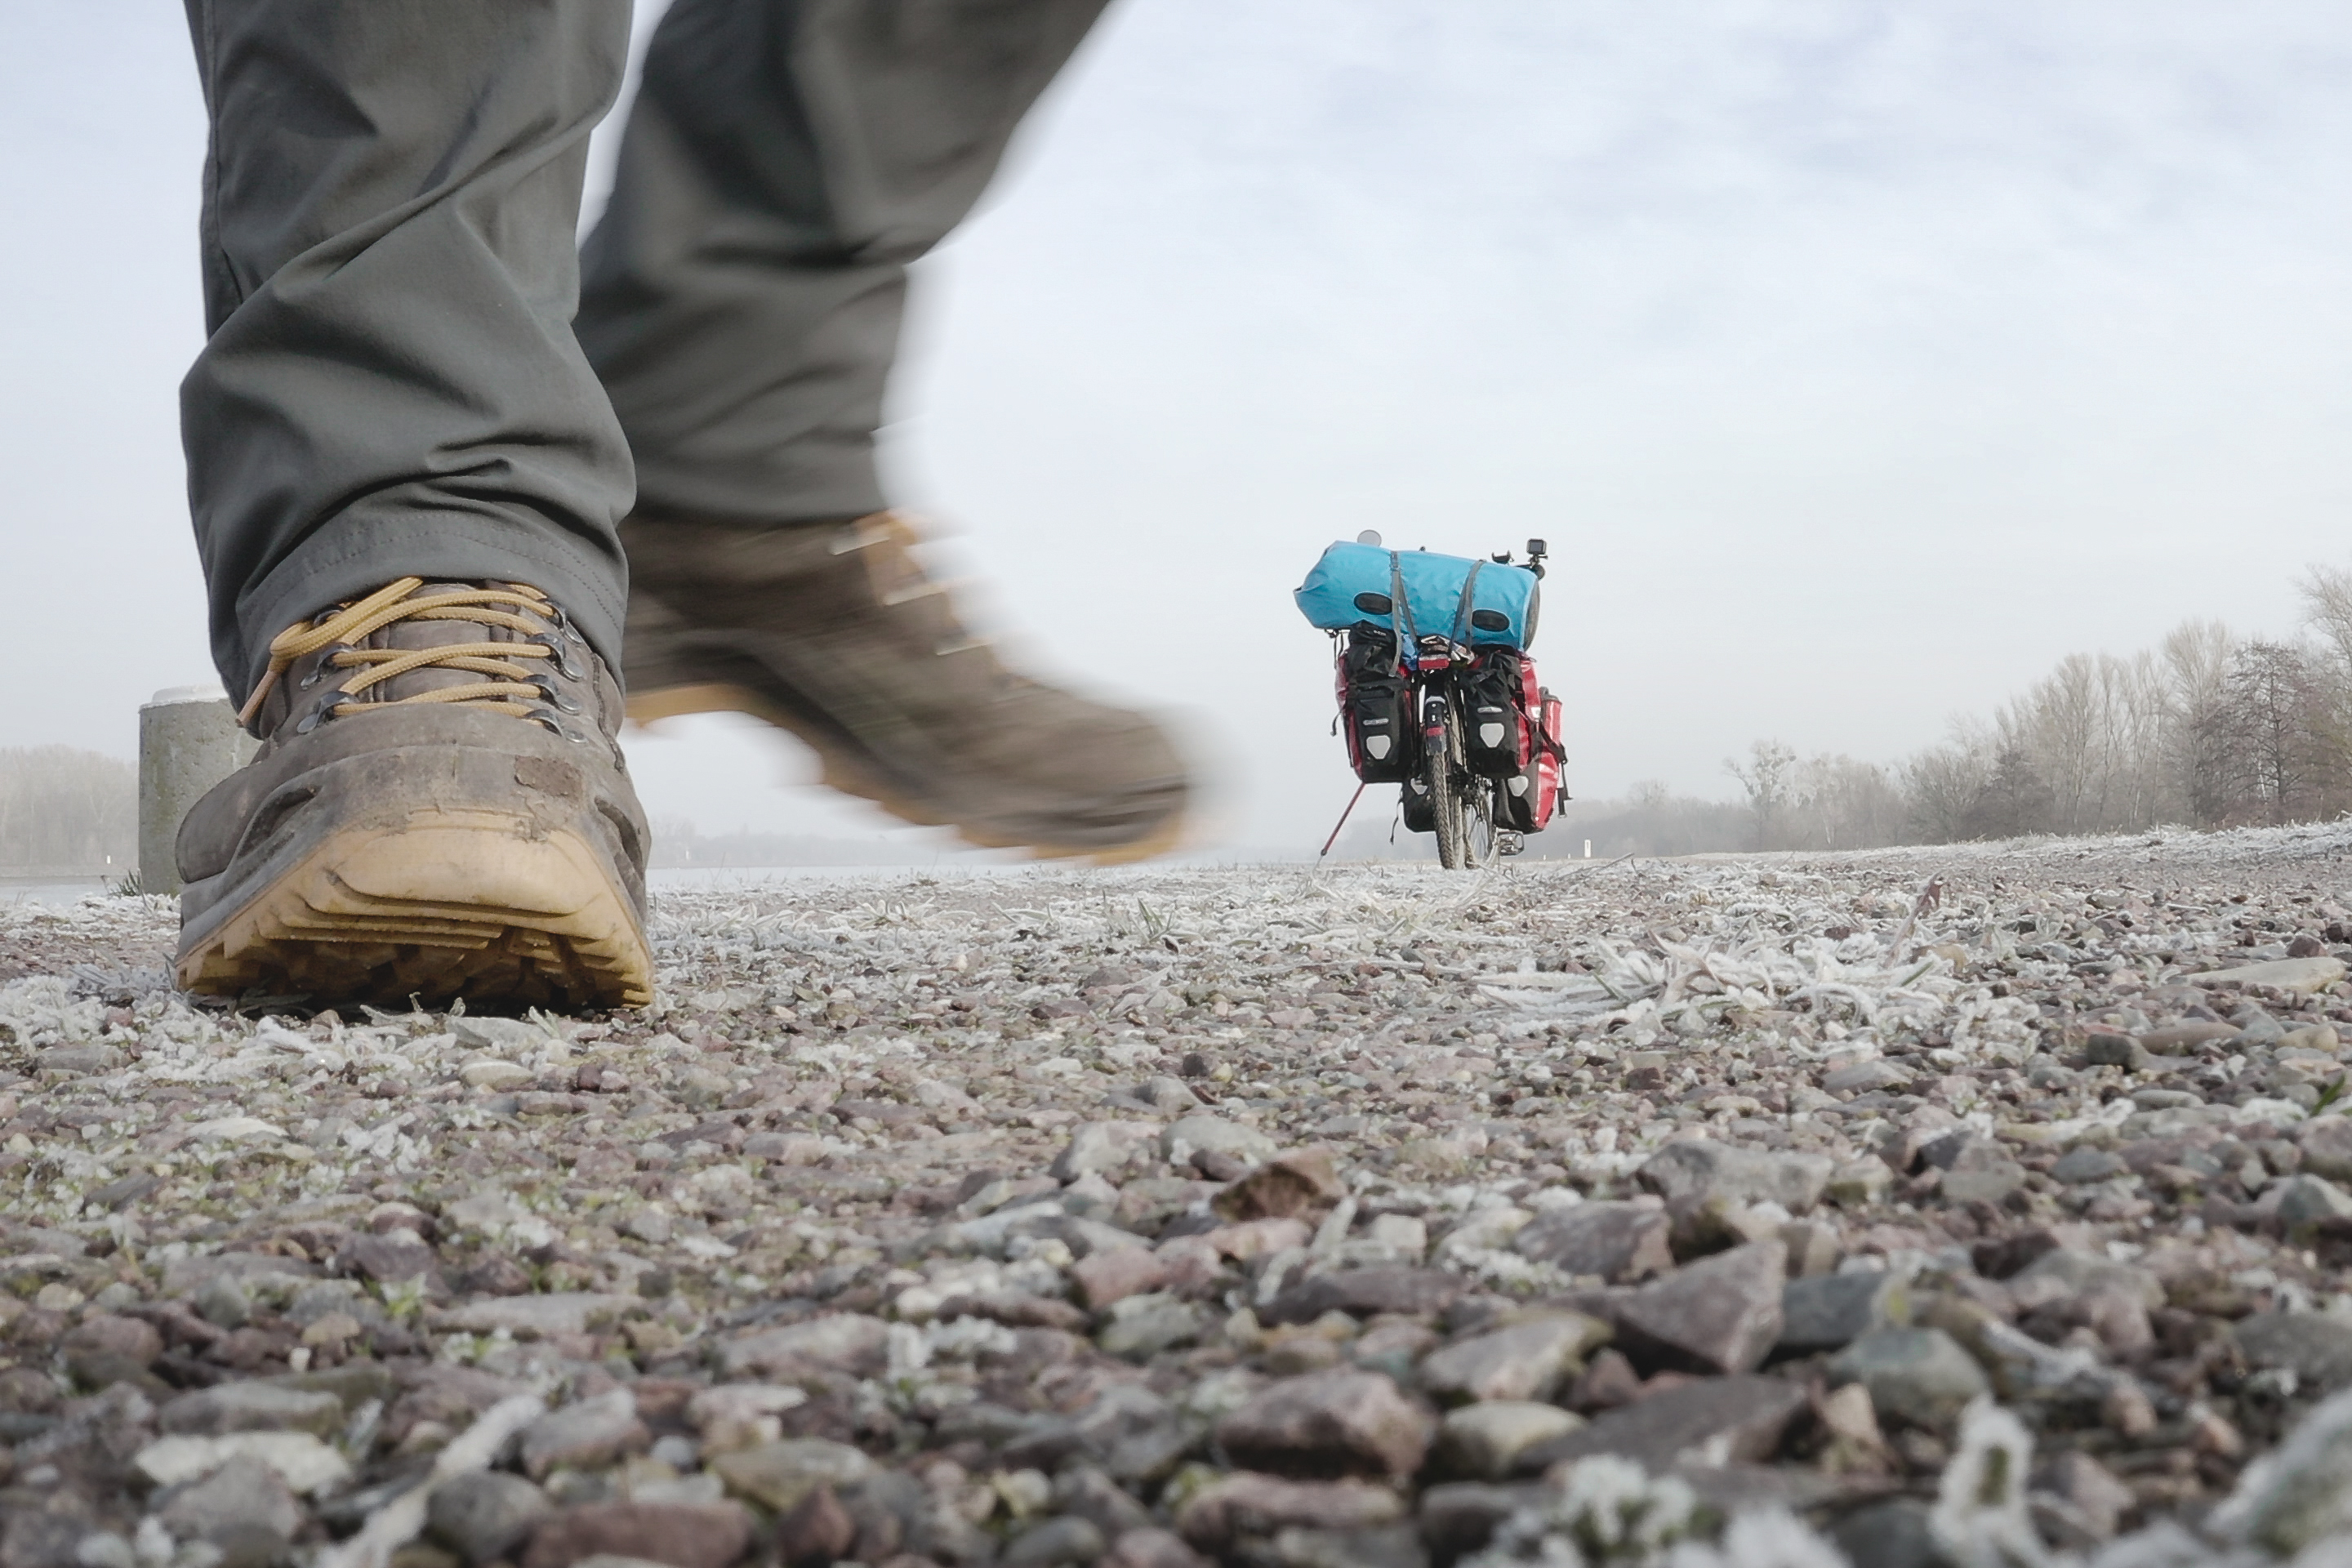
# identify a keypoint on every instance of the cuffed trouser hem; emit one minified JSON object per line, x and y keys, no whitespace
{"x":390,"y":384}
{"x":347,"y":563}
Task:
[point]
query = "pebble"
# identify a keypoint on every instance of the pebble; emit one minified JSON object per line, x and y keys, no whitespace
{"x":816,"y":1529}
{"x":1141,"y":1327}
{"x":2094,"y":1499}
{"x":300,"y":1461}
{"x":2084,"y":1164}
{"x":1919,"y":1377}
{"x":1486,"y":1440}
{"x":1860,"y":1184}
{"x":1524,"y":1361}
{"x":2064,"y":1273}
{"x":1893,"y":1534}
{"x":101,"y":1335}
{"x":1330,"y":1423}
{"x":590,"y":1435}
{"x":851,"y":1341}
{"x":1114,"y":1274}
{"x":2314,"y":1346}
{"x":1053,"y":1543}
{"x":1621,"y":1243}
{"x":251,"y":1407}
{"x":1100,"y":1146}
{"x":2325,"y":1144}
{"x":245,"y":1508}
{"x":1722,"y":1312}
{"x":1152,"y":1548}
{"x":2304,"y":975}
{"x":683,"y":1536}
{"x":1458,"y":1517}
{"x":1216,"y":1135}
{"x":557,"y":1313}
{"x":1724,"y":1420}
{"x":2305,"y":1200}
{"x":1243,"y":1504}
{"x":1696,"y":1171}
{"x":778,"y":1476}
{"x":1366,"y":1292}
{"x":484,"y":1516}
{"x":1830,"y":1312}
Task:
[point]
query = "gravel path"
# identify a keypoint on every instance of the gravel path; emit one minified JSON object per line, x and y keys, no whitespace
{"x":1973,"y":1205}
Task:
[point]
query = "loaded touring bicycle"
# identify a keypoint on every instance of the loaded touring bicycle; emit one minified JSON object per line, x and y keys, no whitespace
{"x":1437,"y":692}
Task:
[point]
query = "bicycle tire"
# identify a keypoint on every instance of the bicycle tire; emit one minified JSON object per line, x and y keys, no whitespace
{"x":1445,"y":817}
{"x":1480,"y":838}
{"x":1452,"y":789}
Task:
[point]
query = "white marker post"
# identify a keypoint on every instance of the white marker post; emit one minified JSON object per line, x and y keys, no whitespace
{"x":188,"y":741}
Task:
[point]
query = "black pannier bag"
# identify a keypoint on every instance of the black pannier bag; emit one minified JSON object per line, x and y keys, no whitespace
{"x":1419,"y":814}
{"x":1376,"y":709}
{"x":1496,"y":733}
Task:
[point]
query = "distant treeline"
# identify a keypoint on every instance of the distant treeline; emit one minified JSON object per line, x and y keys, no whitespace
{"x":63,"y":809}
{"x":2207,"y":730}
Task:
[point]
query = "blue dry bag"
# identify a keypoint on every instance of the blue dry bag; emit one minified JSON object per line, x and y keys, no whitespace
{"x":1483,"y":604}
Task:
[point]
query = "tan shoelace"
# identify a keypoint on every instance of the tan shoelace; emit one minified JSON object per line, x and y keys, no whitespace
{"x":510,"y":682}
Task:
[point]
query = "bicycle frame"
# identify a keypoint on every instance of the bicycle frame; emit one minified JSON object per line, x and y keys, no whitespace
{"x":1464,"y":807}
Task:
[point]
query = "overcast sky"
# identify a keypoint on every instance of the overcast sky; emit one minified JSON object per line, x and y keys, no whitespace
{"x":1859,"y":360}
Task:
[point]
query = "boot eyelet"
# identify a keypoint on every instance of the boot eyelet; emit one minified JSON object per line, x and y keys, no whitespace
{"x":547,"y":716}
{"x":319,"y":672}
{"x":561,"y":703}
{"x":320,"y":712}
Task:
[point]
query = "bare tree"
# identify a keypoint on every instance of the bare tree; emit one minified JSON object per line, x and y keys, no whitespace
{"x":2196,"y":658}
{"x":2265,"y":731}
{"x":1945,"y":786}
{"x":2326,"y":594}
{"x":2327,"y":609}
{"x":2017,"y":796}
{"x":1838,"y":803}
{"x":1766,"y":776}
{"x":2063,"y":724}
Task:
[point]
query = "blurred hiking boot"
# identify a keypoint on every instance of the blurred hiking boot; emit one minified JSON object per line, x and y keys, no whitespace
{"x":439,"y":809}
{"x":834,"y":633}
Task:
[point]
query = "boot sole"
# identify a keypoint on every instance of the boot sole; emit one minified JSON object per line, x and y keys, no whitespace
{"x":844,"y":771}
{"x":449,"y":902}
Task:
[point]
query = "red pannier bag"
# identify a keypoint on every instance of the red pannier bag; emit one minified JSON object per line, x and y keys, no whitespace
{"x":1531,"y":796}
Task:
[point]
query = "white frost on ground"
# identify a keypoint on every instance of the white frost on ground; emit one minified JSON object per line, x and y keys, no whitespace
{"x":843,"y":1106}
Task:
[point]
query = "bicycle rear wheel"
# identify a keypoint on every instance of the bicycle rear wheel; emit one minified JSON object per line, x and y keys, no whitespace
{"x":1445,"y":809}
{"x":1461,"y":803}
{"x":1481,"y":837}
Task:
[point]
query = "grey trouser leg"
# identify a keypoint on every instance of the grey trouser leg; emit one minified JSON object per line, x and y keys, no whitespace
{"x":785,"y":161}
{"x":391,"y":385}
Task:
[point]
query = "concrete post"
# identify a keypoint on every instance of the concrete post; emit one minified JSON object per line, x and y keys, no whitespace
{"x":188,"y":741}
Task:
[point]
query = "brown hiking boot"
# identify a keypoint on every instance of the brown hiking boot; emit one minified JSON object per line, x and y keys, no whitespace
{"x":834,"y":634}
{"x":439,"y":809}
